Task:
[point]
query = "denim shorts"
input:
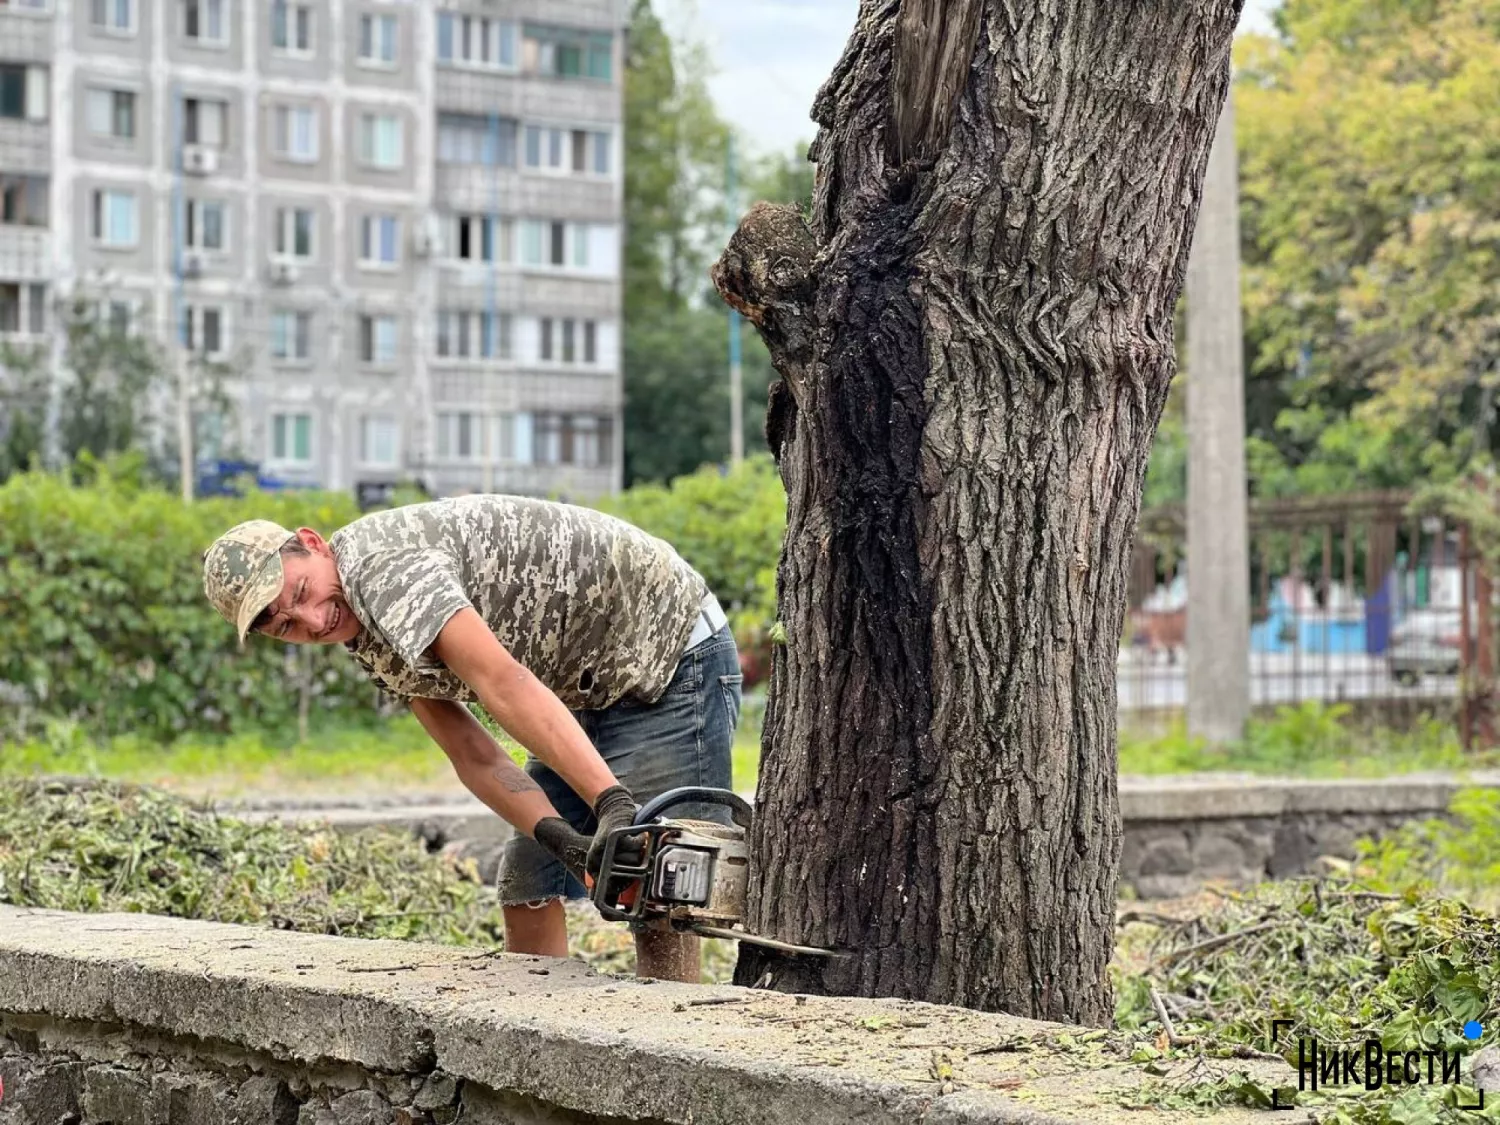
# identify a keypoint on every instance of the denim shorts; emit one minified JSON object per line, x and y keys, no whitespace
{"x":684,"y":738}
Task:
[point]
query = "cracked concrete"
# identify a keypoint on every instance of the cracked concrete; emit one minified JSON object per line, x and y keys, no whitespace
{"x":570,"y":1044}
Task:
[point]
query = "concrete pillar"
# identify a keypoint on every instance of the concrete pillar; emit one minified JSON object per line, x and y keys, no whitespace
{"x":1218,"y":556}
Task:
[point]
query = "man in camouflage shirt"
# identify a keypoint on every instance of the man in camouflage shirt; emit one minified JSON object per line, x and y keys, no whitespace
{"x":593,"y":644}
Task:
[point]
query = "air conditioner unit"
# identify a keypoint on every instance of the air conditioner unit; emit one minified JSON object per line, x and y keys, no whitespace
{"x":199,"y":161}
{"x":192,"y":264}
{"x":283,"y":273}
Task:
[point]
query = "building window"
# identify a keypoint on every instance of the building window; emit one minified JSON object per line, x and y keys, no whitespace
{"x":291,"y":334}
{"x":377,"y":340}
{"x":465,"y":334}
{"x":377,"y":40}
{"x":23,"y":309}
{"x":294,"y":233}
{"x":475,"y":238}
{"x":116,"y":17}
{"x":114,"y":218}
{"x":204,"y":122}
{"x":471,"y":138}
{"x":203,"y":22}
{"x":295,"y":135}
{"x":117,"y":317}
{"x":204,"y":330}
{"x":472,"y":437}
{"x":476,"y":41}
{"x":111,"y":113}
{"x":291,"y":438}
{"x":203,"y":225}
{"x":554,"y":244}
{"x":28,"y":5}
{"x":379,"y":139}
{"x":585,"y":440}
{"x":379,"y":237}
{"x":567,"y":341}
{"x":558,"y":52}
{"x":23,"y":200}
{"x":23,"y":92}
{"x":575,"y":151}
{"x":291,"y":28}
{"x":379,"y":441}
{"x":12,"y":90}
{"x":458,"y":437}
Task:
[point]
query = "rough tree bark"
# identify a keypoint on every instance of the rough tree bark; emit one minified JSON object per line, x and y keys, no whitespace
{"x":974,"y":336}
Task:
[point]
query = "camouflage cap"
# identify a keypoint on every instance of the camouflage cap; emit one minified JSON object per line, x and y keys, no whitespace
{"x":242,"y":571}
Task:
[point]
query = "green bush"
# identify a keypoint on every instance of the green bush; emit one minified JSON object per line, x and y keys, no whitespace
{"x":103,"y":622}
{"x":728,"y":525}
{"x":103,"y":619}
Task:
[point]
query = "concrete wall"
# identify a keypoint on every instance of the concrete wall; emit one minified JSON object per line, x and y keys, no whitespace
{"x":126,"y":1019}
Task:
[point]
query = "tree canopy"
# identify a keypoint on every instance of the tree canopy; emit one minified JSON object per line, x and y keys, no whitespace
{"x":1369,"y":145}
{"x":676,"y":328}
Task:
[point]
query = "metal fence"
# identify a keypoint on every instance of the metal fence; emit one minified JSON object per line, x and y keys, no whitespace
{"x":1353,"y":600}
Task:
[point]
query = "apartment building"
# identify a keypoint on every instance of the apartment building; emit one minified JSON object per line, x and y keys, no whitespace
{"x":398,"y":224}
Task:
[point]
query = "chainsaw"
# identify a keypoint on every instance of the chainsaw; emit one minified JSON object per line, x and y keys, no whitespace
{"x":684,"y":875}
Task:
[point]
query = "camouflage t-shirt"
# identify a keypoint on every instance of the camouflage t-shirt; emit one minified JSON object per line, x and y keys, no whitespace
{"x":597,"y":609}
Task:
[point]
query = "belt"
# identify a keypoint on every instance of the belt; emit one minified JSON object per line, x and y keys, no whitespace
{"x":710,"y":620}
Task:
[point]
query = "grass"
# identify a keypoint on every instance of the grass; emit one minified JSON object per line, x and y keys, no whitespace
{"x":1311,"y":740}
{"x":395,"y":757}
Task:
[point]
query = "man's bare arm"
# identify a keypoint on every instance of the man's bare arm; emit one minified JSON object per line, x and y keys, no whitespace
{"x":485,"y":769}
{"x":523,"y":706}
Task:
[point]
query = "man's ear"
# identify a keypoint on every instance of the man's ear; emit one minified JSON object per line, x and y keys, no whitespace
{"x":313,"y":541}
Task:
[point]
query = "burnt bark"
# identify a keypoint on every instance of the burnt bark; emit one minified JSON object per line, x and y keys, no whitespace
{"x":975,"y":339}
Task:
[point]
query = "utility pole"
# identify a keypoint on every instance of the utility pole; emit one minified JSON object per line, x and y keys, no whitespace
{"x":1218,"y":618}
{"x":488,"y":422}
{"x":736,"y":373}
{"x":184,"y":381}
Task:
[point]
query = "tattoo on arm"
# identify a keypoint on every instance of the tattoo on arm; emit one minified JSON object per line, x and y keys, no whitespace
{"x":515,"y":780}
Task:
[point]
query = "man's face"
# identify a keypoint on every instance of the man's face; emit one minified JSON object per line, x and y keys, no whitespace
{"x":310,"y":610}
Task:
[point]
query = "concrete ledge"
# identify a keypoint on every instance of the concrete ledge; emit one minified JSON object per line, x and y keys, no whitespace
{"x":1205,"y":797}
{"x":571,"y":1044}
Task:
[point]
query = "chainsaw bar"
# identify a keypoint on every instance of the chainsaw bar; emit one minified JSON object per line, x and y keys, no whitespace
{"x":764,"y":942}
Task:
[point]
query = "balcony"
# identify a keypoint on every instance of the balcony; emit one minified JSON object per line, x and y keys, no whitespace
{"x":25,"y":146}
{"x":25,"y":253}
{"x":27,"y":32}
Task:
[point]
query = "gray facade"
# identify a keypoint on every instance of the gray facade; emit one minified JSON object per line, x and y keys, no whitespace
{"x":399,"y":223}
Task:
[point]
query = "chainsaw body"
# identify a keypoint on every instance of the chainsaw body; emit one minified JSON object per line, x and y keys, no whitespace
{"x":682,"y":874}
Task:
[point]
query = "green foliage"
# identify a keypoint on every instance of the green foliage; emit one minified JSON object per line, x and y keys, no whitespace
{"x":1343,"y":959}
{"x":1367,"y":134}
{"x":1311,"y":739}
{"x":107,"y":848}
{"x":1459,"y":854}
{"x":103,"y":618}
{"x":728,"y":525}
{"x":110,"y":387}
{"x":676,"y":346}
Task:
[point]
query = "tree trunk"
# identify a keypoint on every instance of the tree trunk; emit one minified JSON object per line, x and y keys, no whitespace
{"x":975,"y":341}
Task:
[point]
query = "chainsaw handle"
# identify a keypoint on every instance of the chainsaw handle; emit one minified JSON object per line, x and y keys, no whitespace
{"x":739,"y":808}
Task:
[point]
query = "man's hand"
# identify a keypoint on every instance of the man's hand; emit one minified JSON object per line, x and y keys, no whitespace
{"x":564,"y":843}
{"x":614,"y":808}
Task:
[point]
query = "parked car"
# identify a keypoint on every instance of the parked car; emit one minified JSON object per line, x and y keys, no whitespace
{"x":1425,"y":643}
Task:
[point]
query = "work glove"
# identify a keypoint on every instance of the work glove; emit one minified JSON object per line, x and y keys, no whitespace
{"x":614,"y":808}
{"x":564,"y":843}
